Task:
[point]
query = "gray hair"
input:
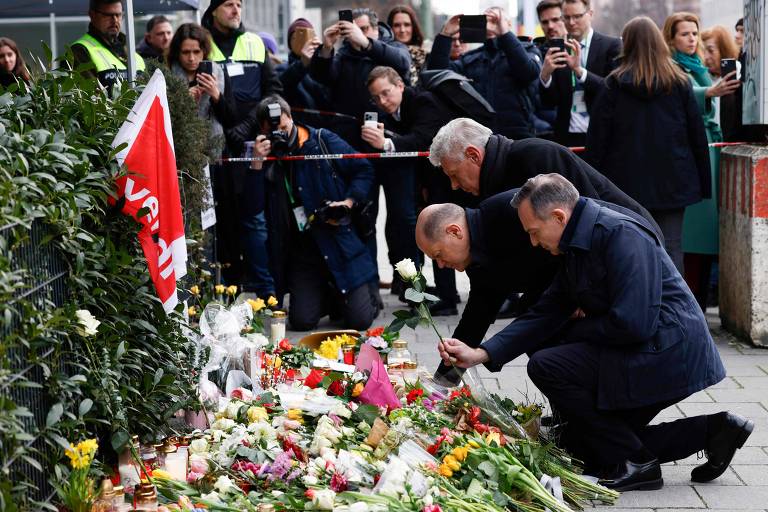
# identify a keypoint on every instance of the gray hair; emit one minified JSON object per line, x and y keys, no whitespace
{"x":453,"y":138}
{"x":366,"y":11}
{"x":545,"y":192}
{"x":436,"y":217}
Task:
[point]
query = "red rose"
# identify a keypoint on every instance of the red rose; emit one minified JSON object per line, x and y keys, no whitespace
{"x":374,"y":331}
{"x":314,"y":378}
{"x":413,"y":395}
{"x":309,"y":493}
{"x":474,"y":415}
{"x":336,"y":389}
{"x":285,"y":345}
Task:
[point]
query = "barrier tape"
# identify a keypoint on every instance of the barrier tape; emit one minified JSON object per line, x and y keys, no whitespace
{"x":402,"y":154}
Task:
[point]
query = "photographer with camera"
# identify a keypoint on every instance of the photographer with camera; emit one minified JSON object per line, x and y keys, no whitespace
{"x":315,"y":253}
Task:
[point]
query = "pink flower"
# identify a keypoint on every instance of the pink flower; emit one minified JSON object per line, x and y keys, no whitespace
{"x":194,"y":477}
{"x":242,"y":394}
{"x":338,"y":483}
{"x":377,"y":342}
{"x":197,"y":465}
{"x":432,"y":508}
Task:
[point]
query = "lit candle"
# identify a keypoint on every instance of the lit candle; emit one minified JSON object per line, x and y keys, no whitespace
{"x":176,"y":464}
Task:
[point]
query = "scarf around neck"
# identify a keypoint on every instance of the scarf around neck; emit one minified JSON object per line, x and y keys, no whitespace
{"x":692,"y":64}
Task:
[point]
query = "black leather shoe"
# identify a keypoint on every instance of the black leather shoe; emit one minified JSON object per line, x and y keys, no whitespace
{"x":508,"y":310}
{"x":722,"y":443}
{"x":443,"y":308}
{"x":630,"y":476}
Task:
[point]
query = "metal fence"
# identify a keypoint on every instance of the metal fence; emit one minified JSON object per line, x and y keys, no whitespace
{"x":45,"y":275}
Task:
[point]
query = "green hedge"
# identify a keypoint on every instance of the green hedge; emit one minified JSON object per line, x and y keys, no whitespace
{"x":57,"y":171}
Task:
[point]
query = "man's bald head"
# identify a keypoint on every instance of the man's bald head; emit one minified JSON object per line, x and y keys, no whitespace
{"x":442,"y":233}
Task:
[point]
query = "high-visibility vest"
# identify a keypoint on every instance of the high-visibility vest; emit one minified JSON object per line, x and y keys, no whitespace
{"x":109,"y":67}
{"x":243,"y":66}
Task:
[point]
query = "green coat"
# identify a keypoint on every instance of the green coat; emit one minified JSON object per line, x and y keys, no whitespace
{"x":700,"y":225}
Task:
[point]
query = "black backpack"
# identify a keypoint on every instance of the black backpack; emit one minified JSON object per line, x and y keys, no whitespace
{"x":457,"y":93}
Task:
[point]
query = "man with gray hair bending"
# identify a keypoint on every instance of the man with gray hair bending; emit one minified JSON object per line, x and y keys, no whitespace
{"x":641,"y":345}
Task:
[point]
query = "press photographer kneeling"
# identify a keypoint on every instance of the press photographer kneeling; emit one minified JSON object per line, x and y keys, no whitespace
{"x":316,"y":255}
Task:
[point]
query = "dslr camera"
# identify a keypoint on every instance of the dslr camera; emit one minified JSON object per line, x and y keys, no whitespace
{"x":281,"y":140}
{"x":341,"y":214}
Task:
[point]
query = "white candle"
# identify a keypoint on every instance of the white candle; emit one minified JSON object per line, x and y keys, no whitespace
{"x":176,"y":464}
{"x":277,"y":331}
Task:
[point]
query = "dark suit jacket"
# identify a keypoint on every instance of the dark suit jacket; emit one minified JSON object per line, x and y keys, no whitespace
{"x":601,"y":60}
{"x":421,"y":116}
{"x":654,"y":340}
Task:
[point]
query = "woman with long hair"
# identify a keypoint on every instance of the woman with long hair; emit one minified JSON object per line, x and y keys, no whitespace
{"x":191,"y":44}
{"x":700,"y":227}
{"x":647,"y":135}
{"x":12,"y":65}
{"x":407,"y":30}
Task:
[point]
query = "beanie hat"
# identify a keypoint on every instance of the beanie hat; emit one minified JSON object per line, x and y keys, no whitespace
{"x":269,"y":41}
{"x":207,"y":20}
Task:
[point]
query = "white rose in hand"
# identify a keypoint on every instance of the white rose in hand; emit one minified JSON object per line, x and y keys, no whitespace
{"x":88,"y":323}
{"x":407,"y":269}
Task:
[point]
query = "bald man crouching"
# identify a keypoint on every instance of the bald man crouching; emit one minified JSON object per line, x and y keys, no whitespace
{"x":642,"y":345}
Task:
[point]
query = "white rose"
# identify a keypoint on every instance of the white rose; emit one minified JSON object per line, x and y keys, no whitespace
{"x":212,"y":497}
{"x":88,"y":323}
{"x":309,"y":480}
{"x":407,"y":269}
{"x":323,"y":499}
{"x":198,"y":446}
{"x":224,"y":484}
{"x":232,"y":409}
{"x":359,"y":506}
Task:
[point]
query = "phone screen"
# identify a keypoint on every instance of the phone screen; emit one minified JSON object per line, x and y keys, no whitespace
{"x":472,"y":28}
{"x":557,"y":42}
{"x":345,"y":15}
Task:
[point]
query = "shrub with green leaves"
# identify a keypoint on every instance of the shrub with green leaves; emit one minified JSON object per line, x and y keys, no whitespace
{"x":56,"y":173}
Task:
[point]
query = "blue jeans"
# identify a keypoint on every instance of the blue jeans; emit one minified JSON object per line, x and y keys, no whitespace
{"x":254,"y":239}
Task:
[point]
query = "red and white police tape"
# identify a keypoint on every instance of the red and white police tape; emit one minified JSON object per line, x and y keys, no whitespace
{"x":402,"y":154}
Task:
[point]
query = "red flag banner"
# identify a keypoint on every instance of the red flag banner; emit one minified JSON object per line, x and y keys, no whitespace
{"x":151,"y":188}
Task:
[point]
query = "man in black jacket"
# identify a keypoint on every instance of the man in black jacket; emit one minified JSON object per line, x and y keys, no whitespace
{"x":501,"y":71}
{"x":571,"y":80}
{"x":484,"y":164}
{"x":640,"y":345}
{"x":415,"y":116}
{"x":241,"y":227}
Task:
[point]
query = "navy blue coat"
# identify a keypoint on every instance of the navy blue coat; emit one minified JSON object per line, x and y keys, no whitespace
{"x":654,"y":338}
{"x":315,"y":181}
{"x":501,"y":71}
{"x":300,"y":90}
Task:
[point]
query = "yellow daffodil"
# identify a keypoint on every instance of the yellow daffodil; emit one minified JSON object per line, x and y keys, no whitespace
{"x":445,"y":470}
{"x":451,"y":462}
{"x":256,"y":414}
{"x":231,"y":290}
{"x":271,"y":301}
{"x":460,"y":453}
{"x":192,"y":311}
{"x":195,"y":290}
{"x":296,"y":415}
{"x":256,"y":305}
{"x":357,"y":389}
{"x":81,"y":455}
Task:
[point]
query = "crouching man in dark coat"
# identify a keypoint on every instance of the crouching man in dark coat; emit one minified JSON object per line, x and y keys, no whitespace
{"x":641,"y":345}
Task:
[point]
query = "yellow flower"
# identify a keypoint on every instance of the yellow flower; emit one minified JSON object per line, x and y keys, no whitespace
{"x":493,"y":437}
{"x":445,"y":470}
{"x":451,"y":462}
{"x":256,"y":305}
{"x":296,"y":415}
{"x":357,"y":389}
{"x":231,"y":290}
{"x":81,"y":455}
{"x":159,"y":473}
{"x":329,"y":348}
{"x":219,"y":289}
{"x":271,"y":301}
{"x":278,"y":362}
{"x":192,"y":311}
{"x":195,"y":290}
{"x":473,"y":443}
{"x":460,"y":453}
{"x":256,"y":414}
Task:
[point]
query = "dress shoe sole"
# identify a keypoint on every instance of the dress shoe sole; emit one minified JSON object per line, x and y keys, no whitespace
{"x":746,"y":431}
{"x":650,"y":485}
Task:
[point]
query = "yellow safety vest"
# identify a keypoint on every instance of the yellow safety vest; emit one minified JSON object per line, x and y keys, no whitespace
{"x":248,"y":48}
{"x":109,"y":67}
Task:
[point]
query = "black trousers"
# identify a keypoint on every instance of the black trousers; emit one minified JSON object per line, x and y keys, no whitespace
{"x":671,"y":224}
{"x":568,"y":375}
{"x":314,"y":293}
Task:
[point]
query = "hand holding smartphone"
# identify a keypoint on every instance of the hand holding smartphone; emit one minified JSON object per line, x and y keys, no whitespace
{"x":371,"y":119}
{"x":205,"y":66}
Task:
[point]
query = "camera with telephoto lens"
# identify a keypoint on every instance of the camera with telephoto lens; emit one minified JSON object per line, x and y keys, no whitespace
{"x":340,"y":213}
{"x":281,"y":140}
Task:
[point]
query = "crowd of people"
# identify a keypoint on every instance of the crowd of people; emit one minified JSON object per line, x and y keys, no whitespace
{"x":645,"y":105}
{"x":610,"y":312}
